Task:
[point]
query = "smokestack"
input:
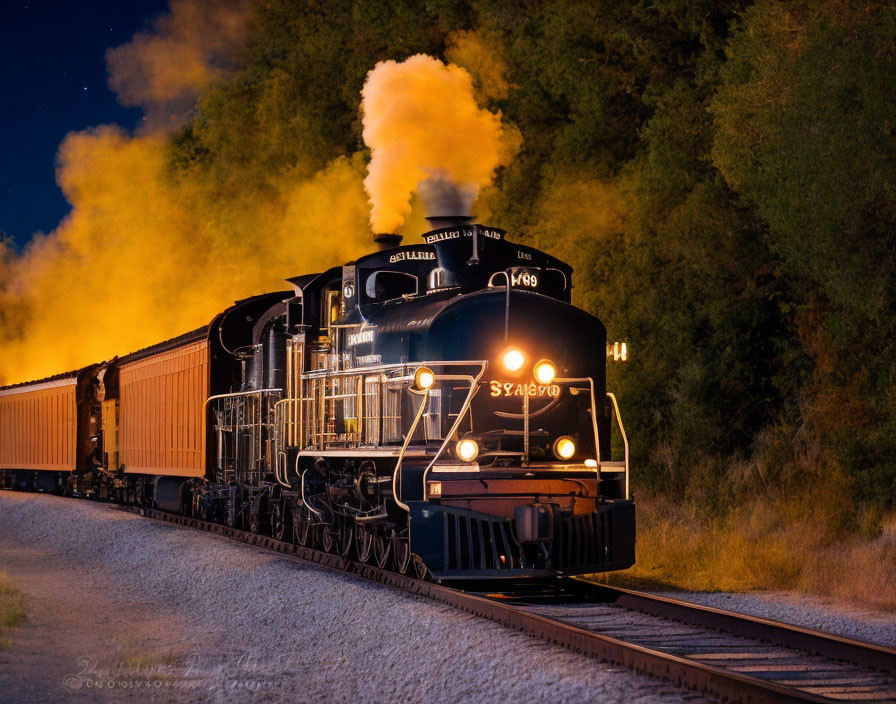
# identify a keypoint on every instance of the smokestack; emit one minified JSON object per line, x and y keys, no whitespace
{"x":387,"y":240}
{"x":438,"y":221}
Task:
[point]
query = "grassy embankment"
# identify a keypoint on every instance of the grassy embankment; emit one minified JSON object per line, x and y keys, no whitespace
{"x":12,"y":608}
{"x":799,"y":543}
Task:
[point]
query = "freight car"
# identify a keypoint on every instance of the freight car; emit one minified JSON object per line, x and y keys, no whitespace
{"x":438,"y":407}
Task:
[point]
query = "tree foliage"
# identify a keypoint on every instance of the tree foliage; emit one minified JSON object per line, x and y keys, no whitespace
{"x":720,"y":173}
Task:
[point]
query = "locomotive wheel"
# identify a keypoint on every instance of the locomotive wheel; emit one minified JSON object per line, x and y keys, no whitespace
{"x":401,"y":551}
{"x":382,"y":548}
{"x":254,"y":520}
{"x":278,"y":520}
{"x":235,"y":516}
{"x":420,"y":569}
{"x":363,"y":542}
{"x":344,"y":535}
{"x":326,"y":538}
{"x":301,"y":526}
{"x":201,"y":512}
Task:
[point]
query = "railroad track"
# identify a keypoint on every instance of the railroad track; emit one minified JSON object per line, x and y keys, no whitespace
{"x":727,"y":655}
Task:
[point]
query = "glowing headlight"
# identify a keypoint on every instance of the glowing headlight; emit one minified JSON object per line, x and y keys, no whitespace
{"x":564,"y":448}
{"x":467,"y":450}
{"x":513,"y":360}
{"x":545,"y":372}
{"x":424,"y":378}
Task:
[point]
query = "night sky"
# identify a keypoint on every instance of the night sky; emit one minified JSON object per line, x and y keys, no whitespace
{"x":53,"y":81}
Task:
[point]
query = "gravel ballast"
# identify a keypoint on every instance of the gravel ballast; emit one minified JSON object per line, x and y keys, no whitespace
{"x":125,"y":608}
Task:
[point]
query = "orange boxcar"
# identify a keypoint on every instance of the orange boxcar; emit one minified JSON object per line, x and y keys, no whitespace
{"x":162,"y":411}
{"x":38,"y":428}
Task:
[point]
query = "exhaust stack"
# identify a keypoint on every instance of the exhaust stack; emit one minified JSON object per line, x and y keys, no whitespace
{"x":438,"y":221}
{"x":387,"y":240}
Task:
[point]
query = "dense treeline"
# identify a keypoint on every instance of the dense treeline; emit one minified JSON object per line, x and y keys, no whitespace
{"x":721,"y":174}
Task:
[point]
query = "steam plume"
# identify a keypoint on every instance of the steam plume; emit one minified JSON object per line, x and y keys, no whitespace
{"x":425,"y":132}
{"x":142,"y":258}
{"x":164,"y":70}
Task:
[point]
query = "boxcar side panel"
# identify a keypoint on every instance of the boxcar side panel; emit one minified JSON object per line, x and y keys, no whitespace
{"x":38,"y":427}
{"x":162,"y":412}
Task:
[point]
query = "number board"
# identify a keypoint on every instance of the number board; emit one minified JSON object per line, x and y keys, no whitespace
{"x":524,"y":277}
{"x":514,"y":388}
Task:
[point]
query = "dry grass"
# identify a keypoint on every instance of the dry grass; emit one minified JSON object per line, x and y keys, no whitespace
{"x":12,"y":607}
{"x":797,"y":544}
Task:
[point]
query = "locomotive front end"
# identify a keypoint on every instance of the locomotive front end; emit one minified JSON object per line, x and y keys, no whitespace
{"x":523,"y":483}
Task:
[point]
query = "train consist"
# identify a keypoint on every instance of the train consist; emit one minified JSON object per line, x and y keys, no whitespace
{"x":438,"y":408}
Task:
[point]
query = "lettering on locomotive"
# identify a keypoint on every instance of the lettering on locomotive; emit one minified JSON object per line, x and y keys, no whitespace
{"x":513,"y":388}
{"x":360,"y":338}
{"x":412,"y":255}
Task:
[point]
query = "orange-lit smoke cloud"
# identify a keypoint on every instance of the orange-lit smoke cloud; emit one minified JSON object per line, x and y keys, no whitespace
{"x":142,"y":258}
{"x":145,"y":256}
{"x":164,"y":70}
{"x":427,"y":135}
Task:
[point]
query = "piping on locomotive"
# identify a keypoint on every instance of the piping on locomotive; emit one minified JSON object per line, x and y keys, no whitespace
{"x":438,"y":407}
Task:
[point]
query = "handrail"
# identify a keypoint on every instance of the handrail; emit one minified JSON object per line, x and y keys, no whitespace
{"x":329,"y":373}
{"x":280,"y":454}
{"x":241,"y":393}
{"x":474,"y":388}
{"x":407,"y":441}
{"x":582,"y":380}
{"x":440,"y":377}
{"x":624,"y":441}
{"x":506,"y":301}
{"x":304,"y":502}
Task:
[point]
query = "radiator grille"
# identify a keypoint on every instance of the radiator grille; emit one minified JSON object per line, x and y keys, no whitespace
{"x":582,"y":540}
{"x":478,"y":544}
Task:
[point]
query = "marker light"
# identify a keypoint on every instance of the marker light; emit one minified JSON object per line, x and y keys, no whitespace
{"x":564,"y":448}
{"x":591,"y":464}
{"x":435,"y":490}
{"x":618,"y":351}
{"x":513,"y":360}
{"x":424,"y":378}
{"x":545,"y":372}
{"x":467,"y":450}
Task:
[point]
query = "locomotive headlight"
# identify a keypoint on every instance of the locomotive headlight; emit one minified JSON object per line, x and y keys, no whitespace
{"x":467,"y":450}
{"x":424,"y":378}
{"x":564,"y":448}
{"x":513,"y":360}
{"x":545,"y":371}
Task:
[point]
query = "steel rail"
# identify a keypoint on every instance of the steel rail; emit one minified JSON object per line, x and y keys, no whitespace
{"x":879,"y":657}
{"x":727,"y":685}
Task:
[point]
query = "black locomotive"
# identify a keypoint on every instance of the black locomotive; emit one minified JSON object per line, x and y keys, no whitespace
{"x":438,"y":407}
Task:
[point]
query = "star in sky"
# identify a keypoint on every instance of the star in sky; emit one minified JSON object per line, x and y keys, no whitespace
{"x":43,"y":44}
